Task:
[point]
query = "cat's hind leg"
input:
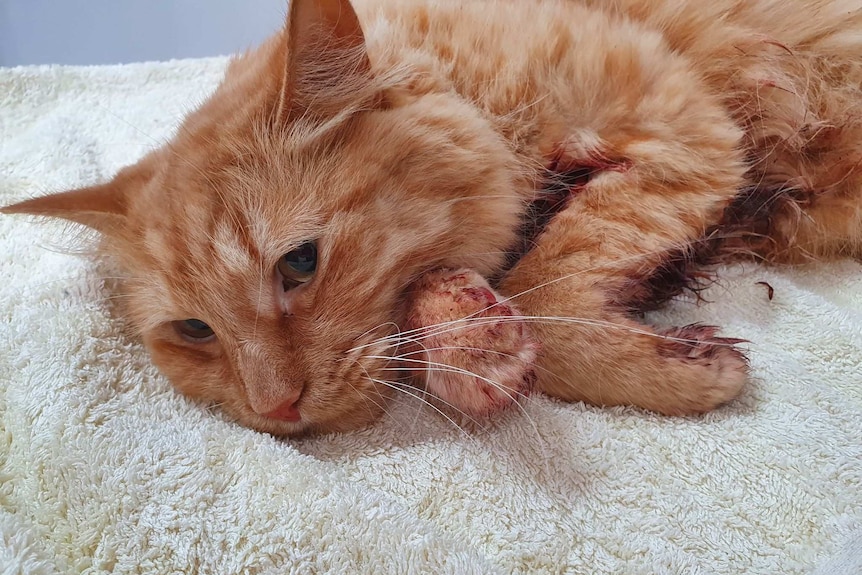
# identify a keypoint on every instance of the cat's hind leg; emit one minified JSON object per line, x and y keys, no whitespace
{"x":805,"y":202}
{"x":802,"y":114}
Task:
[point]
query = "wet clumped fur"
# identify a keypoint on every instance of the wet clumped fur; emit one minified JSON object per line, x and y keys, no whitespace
{"x":413,"y":188}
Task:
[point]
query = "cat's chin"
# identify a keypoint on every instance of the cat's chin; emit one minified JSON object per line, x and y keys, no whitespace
{"x":275,"y":427}
{"x":280,"y":428}
{"x":310,"y":425}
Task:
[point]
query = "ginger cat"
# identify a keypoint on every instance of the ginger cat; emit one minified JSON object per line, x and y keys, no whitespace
{"x":276,"y":251}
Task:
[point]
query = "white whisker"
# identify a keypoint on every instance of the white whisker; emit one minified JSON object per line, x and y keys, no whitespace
{"x":436,"y":366}
{"x":425,"y":401}
{"x":478,"y":349}
{"x":453,"y":369}
{"x":466,"y":322}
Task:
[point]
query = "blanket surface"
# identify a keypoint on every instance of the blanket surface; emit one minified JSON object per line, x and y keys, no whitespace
{"x":103,"y":468}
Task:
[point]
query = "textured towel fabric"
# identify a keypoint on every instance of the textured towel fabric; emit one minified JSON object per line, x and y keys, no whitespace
{"x":105,"y":469}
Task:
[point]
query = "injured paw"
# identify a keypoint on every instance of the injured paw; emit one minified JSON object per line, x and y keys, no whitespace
{"x":471,"y":351}
{"x":723,"y":369}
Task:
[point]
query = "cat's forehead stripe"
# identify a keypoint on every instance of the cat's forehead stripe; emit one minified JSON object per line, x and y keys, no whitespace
{"x":204,"y":239}
{"x":230,"y":249}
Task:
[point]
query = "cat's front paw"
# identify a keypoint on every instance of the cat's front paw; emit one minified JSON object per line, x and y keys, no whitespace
{"x":722,"y":369}
{"x":471,"y":349}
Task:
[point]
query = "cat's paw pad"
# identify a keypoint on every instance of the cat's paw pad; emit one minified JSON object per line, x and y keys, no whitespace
{"x":722,"y":368}
{"x":480,"y":356}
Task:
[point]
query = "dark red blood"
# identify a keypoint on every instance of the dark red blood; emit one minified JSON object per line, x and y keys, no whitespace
{"x":481,"y":294}
{"x":695,"y":342}
{"x":495,"y":330}
{"x":487,"y":391}
{"x":770,"y":291}
{"x":596,"y":161}
{"x":456,"y":277}
{"x":565,"y":177}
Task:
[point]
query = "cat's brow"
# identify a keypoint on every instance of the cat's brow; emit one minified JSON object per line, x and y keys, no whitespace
{"x":230,"y":249}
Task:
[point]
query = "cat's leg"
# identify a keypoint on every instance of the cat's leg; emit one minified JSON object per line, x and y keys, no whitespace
{"x":787,"y":224}
{"x":606,"y":255}
{"x":592,"y":349}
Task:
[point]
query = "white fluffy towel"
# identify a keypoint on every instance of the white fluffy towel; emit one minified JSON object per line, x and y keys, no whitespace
{"x":105,"y":469}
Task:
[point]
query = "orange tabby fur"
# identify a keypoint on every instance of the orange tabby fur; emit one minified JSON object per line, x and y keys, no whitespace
{"x":411,"y":135}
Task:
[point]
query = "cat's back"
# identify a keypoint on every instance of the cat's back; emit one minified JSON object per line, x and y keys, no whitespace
{"x":509,"y":55}
{"x":536,"y":68}
{"x":524,"y":63}
{"x":482,"y":40}
{"x":691,"y":26}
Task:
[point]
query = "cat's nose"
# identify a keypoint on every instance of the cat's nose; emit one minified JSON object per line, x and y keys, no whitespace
{"x":287,"y":411}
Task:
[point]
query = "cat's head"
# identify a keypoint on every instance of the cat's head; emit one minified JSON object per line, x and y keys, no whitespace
{"x":269,"y":244}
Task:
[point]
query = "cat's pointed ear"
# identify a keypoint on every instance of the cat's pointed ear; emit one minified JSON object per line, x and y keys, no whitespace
{"x":327,"y":67}
{"x":102,"y":207}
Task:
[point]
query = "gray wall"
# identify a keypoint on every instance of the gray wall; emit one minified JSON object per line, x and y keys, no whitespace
{"x":120,"y":31}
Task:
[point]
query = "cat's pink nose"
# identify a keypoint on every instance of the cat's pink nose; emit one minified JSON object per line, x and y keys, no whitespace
{"x":287,"y":411}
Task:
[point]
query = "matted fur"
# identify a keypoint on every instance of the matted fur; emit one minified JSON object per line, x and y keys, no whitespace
{"x":413,"y":135}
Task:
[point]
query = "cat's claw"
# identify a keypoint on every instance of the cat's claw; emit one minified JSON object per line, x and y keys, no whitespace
{"x":480,"y":356}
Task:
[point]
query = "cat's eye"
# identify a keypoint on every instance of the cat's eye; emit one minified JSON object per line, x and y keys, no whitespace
{"x":298,"y":266}
{"x":194,"y":330}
